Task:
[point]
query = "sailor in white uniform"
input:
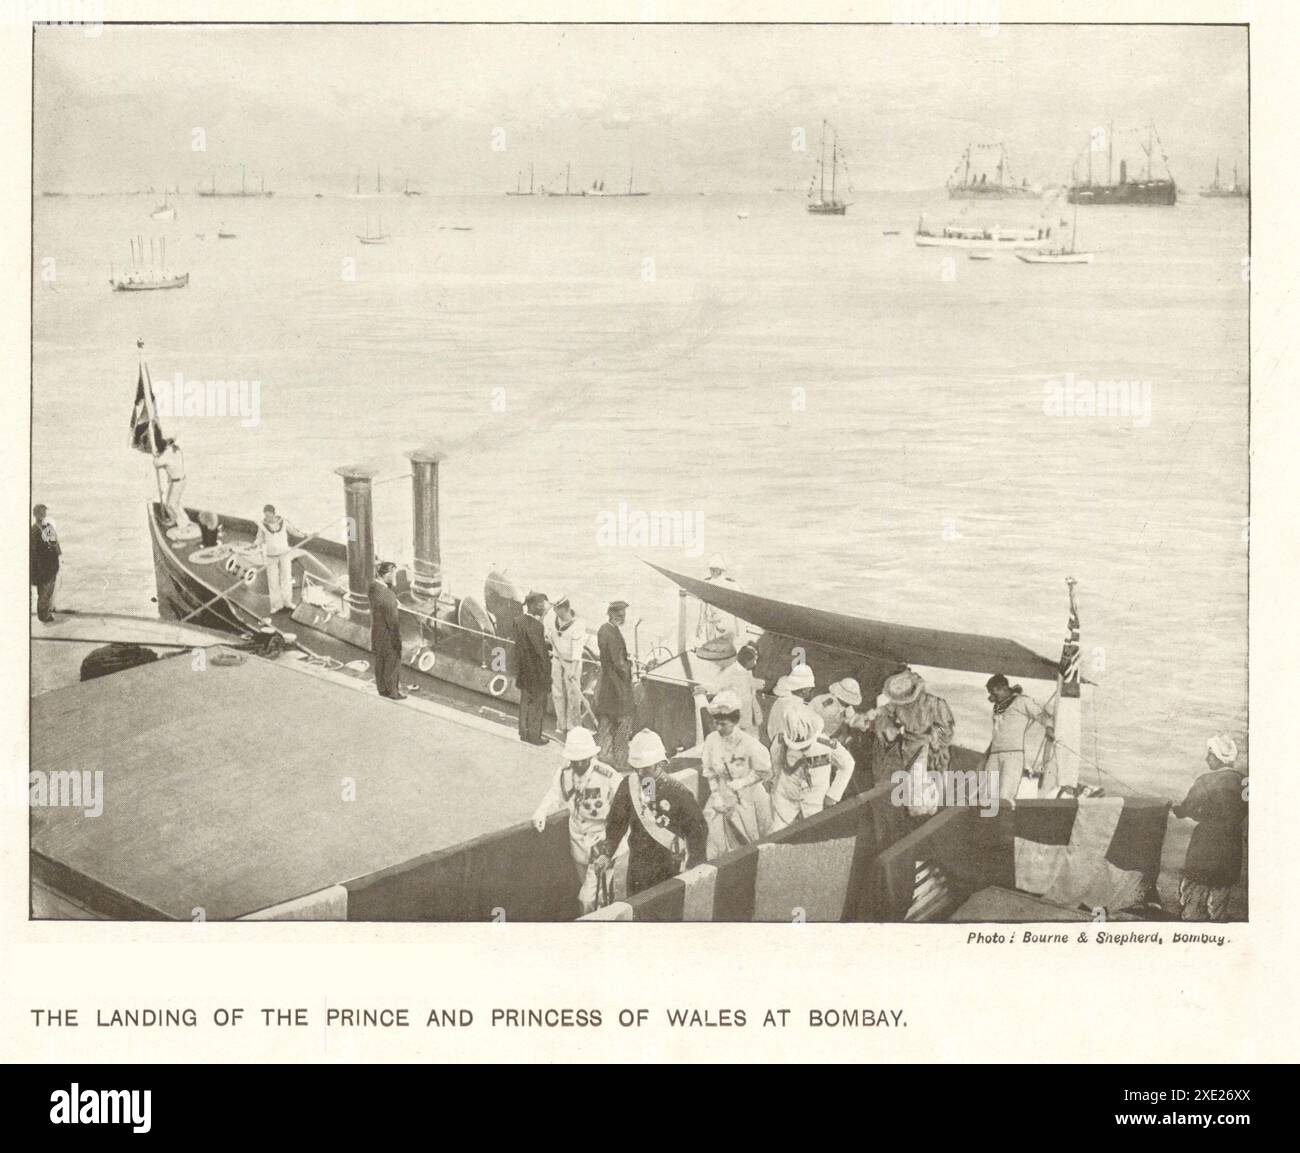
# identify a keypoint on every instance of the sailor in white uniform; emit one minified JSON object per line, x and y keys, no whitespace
{"x":585,"y":786}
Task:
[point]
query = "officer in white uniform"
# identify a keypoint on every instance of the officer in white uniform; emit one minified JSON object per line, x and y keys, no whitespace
{"x":585,"y":786}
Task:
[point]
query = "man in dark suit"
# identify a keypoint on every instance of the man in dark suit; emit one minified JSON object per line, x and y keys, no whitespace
{"x":533,"y":664}
{"x":614,"y":700}
{"x":45,"y":562}
{"x":385,"y":631}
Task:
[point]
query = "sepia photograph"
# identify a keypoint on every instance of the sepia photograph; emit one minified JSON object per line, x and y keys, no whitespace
{"x":747,"y":473}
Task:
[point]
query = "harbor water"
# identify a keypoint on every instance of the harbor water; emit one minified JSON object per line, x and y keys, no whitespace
{"x":854,"y":422}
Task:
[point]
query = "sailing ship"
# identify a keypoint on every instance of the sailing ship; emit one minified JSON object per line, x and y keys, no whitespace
{"x":165,"y":211}
{"x":1148,"y":190}
{"x":409,"y":191}
{"x":519,"y":184}
{"x":980,"y":187}
{"x":154,"y":278}
{"x":566,"y":192}
{"x":1233,"y":191}
{"x":1061,"y":255}
{"x":379,"y":186}
{"x":244,"y":191}
{"x":377,"y":236}
{"x":821,"y":206}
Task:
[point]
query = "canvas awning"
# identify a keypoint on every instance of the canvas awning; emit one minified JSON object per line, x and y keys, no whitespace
{"x":906,"y":644}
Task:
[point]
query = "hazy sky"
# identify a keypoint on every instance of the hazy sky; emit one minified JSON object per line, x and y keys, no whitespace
{"x":693,"y":108}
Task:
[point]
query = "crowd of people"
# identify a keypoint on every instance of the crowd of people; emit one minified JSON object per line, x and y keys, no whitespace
{"x":766,"y":769}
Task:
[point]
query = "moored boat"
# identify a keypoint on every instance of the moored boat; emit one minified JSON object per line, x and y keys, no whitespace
{"x":823,"y":205}
{"x":978,"y":186}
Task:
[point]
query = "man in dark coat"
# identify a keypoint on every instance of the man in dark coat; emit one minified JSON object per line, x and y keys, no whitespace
{"x":386,"y":631}
{"x":45,"y":562}
{"x":665,"y":826}
{"x":1217,"y":803}
{"x":614,"y":702}
{"x":533,"y":664}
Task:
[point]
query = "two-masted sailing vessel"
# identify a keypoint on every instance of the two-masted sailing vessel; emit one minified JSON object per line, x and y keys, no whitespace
{"x":152,"y":278}
{"x":1218,"y":191}
{"x":244,"y":191}
{"x":1147,"y":189}
{"x":519,"y":184}
{"x":824,"y":206}
{"x":375,"y":235}
{"x":977,"y":185}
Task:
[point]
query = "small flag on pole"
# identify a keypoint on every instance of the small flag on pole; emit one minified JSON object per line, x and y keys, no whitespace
{"x":146,"y":434}
{"x":1069,"y":667}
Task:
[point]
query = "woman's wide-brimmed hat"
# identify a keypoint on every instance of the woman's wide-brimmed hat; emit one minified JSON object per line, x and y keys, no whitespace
{"x":903,"y":688}
{"x":718,"y":649}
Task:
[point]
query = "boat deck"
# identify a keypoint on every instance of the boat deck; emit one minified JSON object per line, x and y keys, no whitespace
{"x":223,"y":788}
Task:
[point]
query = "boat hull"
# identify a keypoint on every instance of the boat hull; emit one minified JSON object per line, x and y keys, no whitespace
{"x":1163,"y":192}
{"x":827,"y":209}
{"x":923,"y":240}
{"x":990,"y":192}
{"x":441,"y":658}
{"x":151,"y":285}
{"x":1055,"y":257}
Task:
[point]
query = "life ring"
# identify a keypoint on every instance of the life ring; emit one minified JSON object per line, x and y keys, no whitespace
{"x":230,"y":563}
{"x":210,"y":555}
{"x":249,"y":576}
{"x":498,"y":684}
{"x":426,"y":660}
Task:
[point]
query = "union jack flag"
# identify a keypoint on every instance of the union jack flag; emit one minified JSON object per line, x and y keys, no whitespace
{"x":146,"y":433}
{"x":1069,"y":666}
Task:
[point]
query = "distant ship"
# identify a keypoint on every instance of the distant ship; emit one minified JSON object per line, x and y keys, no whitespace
{"x":165,"y":211}
{"x":244,"y":191}
{"x":377,"y":236}
{"x":980,"y":187}
{"x":519,"y":184}
{"x":822,"y":206}
{"x":1150,"y":190}
{"x":1234,"y":191}
{"x":566,"y":192}
{"x":379,"y":187}
{"x":409,"y":191}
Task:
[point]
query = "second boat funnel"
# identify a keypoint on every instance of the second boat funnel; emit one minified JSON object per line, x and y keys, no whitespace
{"x":424,"y":521}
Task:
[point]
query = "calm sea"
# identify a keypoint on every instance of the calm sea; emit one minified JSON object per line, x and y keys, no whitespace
{"x":861,"y":423}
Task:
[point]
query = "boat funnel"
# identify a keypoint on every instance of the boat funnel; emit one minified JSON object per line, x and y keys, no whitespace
{"x":426,"y":544}
{"x":359,"y":508}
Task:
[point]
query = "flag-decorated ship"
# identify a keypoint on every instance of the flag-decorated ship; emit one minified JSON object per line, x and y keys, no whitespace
{"x":1147,"y":188}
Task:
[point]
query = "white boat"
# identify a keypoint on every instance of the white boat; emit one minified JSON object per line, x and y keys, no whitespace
{"x":742,"y":215}
{"x":1062,"y":255}
{"x":165,"y":211}
{"x":980,"y":254}
{"x":151,"y":279}
{"x":979,"y":237}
